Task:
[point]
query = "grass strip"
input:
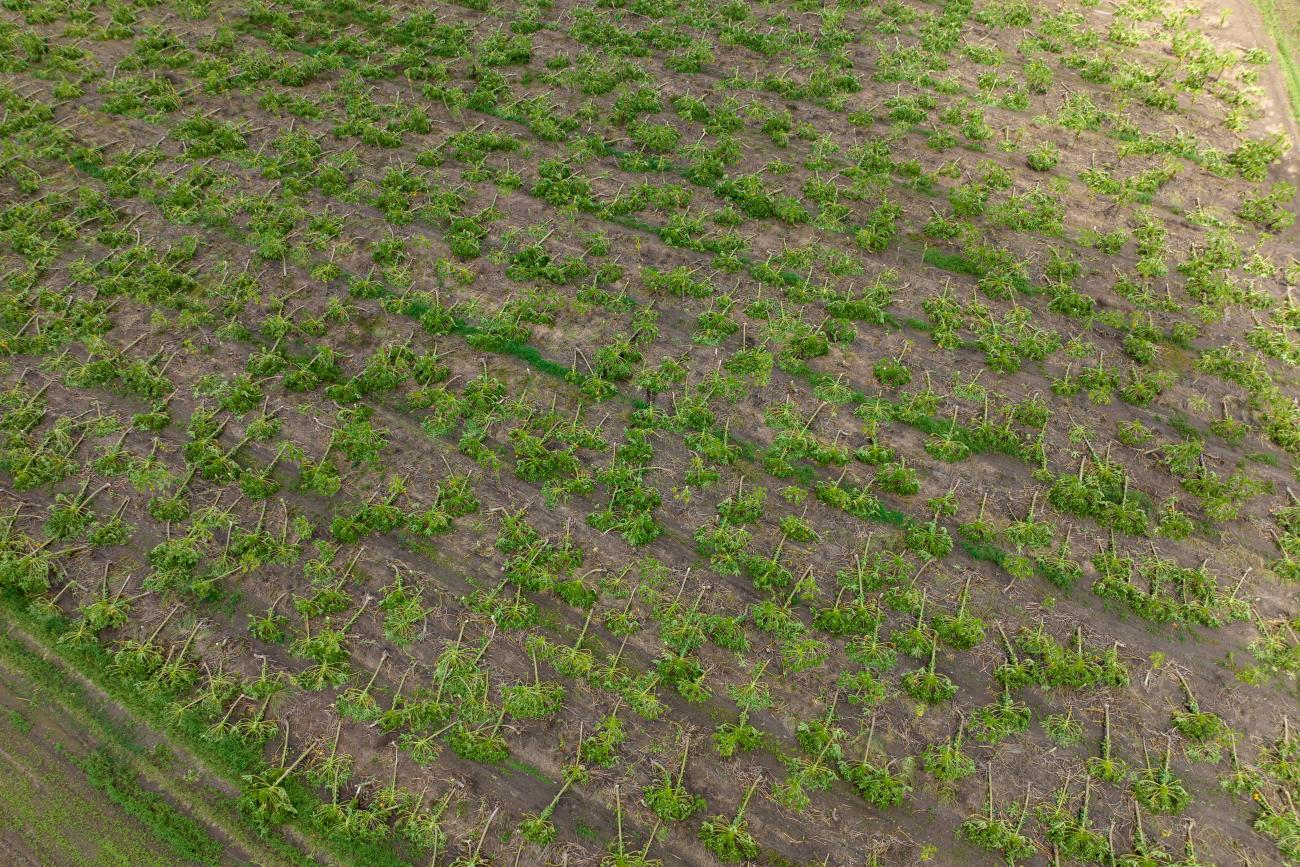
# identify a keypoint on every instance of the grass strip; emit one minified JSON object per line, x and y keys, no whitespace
{"x":116,"y":778}
{"x":228,"y":758}
{"x":1282,"y":20}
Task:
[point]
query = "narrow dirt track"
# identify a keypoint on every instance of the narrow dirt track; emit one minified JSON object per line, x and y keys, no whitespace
{"x":1245,"y":26}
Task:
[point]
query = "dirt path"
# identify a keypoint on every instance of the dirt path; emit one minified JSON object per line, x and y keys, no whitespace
{"x":242,"y":847}
{"x":1245,"y":26}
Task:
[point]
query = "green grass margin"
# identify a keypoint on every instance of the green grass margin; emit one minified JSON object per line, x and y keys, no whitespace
{"x":228,"y":759}
{"x":1283,"y":24}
